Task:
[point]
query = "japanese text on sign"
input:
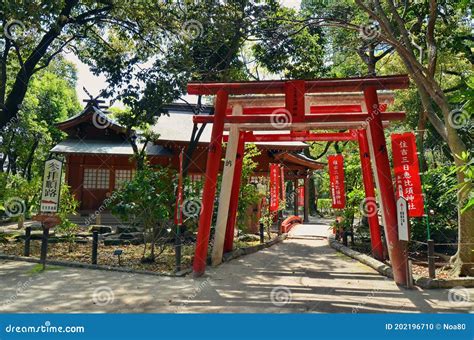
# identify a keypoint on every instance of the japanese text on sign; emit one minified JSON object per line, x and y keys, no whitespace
{"x":51,"y":186}
{"x":336,"y":180}
{"x":407,"y":173}
{"x":274,"y":187}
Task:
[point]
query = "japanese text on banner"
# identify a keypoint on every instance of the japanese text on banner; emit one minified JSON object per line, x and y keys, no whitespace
{"x":407,"y":172}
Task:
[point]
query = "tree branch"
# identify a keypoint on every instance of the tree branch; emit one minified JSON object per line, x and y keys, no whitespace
{"x":430,"y":39}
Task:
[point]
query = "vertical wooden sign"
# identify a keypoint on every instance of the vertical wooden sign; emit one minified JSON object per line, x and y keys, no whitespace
{"x":50,"y":194}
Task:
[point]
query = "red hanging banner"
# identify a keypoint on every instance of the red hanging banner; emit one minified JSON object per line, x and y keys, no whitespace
{"x":178,"y":214}
{"x":283,"y":187}
{"x":407,"y":172}
{"x":274,"y":187}
{"x":301,"y":196}
{"x":336,"y":180}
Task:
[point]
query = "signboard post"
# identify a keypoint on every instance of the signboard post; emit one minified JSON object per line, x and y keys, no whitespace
{"x":51,"y":186}
{"x":404,"y":232}
{"x":49,"y":204}
{"x":402,"y":218}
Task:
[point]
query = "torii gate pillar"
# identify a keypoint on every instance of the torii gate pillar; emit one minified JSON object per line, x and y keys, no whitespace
{"x":383,"y":179}
{"x":370,"y":201}
{"x":210,"y":183}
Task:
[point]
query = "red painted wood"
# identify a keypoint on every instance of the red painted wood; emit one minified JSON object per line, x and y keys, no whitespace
{"x":289,"y":223}
{"x":313,"y":118}
{"x":396,"y":249}
{"x":313,"y":109}
{"x":295,"y":100}
{"x":210,"y":183}
{"x":407,"y":172}
{"x":318,"y":109}
{"x":370,"y":200}
{"x":312,"y":86}
{"x":336,"y":180}
{"x":299,"y":137}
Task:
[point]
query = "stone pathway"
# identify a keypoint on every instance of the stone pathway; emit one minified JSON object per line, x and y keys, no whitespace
{"x":302,"y":274}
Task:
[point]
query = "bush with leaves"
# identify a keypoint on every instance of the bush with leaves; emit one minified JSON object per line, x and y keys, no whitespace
{"x":67,"y":206}
{"x":249,"y":194}
{"x":19,"y":197}
{"x":147,"y":202}
{"x":440,"y":199}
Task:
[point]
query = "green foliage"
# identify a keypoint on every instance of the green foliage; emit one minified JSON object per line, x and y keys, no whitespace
{"x":3,"y":238}
{"x":249,"y":194}
{"x":67,"y":206}
{"x":267,"y":219}
{"x":288,"y":46}
{"x":466,"y":189}
{"x":147,"y":201}
{"x":19,"y":197}
{"x":441,"y":200}
{"x":26,"y":141}
{"x":325,"y":206}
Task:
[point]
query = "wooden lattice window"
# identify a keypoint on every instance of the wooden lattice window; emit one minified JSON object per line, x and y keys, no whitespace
{"x":96,"y":178}
{"x":123,"y":176}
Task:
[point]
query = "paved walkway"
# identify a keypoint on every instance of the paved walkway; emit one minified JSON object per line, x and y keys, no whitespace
{"x":301,"y":274}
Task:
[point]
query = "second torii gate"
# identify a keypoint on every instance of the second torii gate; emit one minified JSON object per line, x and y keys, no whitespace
{"x":300,"y":119}
{"x":354,"y":135}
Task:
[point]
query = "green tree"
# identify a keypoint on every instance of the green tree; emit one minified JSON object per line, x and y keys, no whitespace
{"x":147,"y":201}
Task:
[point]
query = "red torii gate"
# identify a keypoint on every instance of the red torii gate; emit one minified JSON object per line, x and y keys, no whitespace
{"x":354,"y":135}
{"x":302,"y":118}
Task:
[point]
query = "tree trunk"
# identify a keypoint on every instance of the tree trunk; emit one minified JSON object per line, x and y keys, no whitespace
{"x":464,"y":258}
{"x":20,"y":85}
